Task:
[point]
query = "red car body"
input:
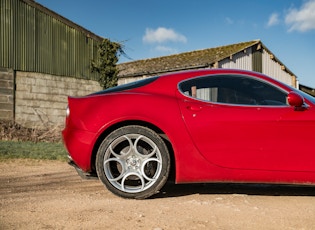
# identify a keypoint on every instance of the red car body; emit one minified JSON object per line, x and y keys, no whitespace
{"x":209,"y":141}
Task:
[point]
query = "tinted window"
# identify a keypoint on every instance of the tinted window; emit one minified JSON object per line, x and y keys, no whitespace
{"x":233,"y":89}
{"x":131,"y":85}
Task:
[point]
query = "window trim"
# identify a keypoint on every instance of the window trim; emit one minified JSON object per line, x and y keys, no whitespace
{"x":231,"y":104}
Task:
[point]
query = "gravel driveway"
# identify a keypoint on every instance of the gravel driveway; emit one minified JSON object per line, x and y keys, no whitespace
{"x":50,"y":195}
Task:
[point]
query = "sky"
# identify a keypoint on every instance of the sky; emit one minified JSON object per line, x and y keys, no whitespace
{"x":154,"y":28}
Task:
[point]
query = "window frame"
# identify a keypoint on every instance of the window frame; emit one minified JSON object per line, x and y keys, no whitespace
{"x":276,"y":87}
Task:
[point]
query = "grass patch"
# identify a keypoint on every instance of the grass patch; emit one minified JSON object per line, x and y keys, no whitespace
{"x":32,"y":150}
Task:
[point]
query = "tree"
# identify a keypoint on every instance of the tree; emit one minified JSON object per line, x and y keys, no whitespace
{"x":105,"y":65}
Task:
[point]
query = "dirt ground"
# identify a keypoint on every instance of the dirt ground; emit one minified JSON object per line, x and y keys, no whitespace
{"x":50,"y":195}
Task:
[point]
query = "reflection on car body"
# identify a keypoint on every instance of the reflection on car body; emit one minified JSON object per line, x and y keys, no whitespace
{"x":216,"y":125}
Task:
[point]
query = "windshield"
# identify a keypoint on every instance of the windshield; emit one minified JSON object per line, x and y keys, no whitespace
{"x":308,"y":97}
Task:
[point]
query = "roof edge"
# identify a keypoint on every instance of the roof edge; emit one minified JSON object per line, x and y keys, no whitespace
{"x":62,"y":19}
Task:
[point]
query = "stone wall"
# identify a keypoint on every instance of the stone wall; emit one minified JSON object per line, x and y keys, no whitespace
{"x":6,"y":94}
{"x":41,"y":99}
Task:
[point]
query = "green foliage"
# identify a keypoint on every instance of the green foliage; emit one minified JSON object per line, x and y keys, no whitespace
{"x":31,"y":150}
{"x":105,"y":65}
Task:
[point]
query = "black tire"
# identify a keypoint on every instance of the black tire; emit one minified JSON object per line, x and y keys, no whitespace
{"x":133,"y":162}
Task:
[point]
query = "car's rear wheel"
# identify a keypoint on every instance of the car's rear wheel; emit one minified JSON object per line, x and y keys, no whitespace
{"x":133,"y":162}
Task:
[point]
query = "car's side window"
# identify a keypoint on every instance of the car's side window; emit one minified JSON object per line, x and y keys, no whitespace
{"x":233,"y":89}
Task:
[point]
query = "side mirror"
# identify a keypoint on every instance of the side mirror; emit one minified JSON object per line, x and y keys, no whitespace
{"x":295,"y":100}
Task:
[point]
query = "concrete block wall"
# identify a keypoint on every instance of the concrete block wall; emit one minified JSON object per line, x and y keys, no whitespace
{"x":41,"y":99}
{"x":6,"y":94}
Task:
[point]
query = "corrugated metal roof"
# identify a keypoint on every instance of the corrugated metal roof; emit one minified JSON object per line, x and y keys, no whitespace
{"x":189,"y":60}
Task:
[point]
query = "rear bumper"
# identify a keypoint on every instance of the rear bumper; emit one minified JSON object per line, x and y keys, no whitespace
{"x":82,"y":174}
{"x":79,"y":144}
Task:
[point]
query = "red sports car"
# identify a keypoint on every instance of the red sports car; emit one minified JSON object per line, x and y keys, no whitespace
{"x":214,"y":125}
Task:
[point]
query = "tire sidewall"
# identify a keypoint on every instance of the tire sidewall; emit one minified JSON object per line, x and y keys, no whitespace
{"x":153,"y":136}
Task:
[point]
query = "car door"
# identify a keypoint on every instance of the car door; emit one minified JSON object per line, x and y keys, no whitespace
{"x":243,"y":123}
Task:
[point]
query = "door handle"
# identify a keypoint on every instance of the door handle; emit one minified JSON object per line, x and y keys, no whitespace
{"x":194,"y":108}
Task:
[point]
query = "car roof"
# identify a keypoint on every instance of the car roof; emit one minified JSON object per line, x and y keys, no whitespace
{"x":168,"y":83}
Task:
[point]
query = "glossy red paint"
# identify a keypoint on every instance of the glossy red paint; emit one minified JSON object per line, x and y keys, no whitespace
{"x":211,"y":141}
{"x":295,"y":99}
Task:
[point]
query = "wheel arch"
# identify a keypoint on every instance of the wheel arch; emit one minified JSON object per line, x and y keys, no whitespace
{"x":151,"y":126}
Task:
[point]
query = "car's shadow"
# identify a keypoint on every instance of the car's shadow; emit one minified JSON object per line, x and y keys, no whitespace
{"x":177,"y":190}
